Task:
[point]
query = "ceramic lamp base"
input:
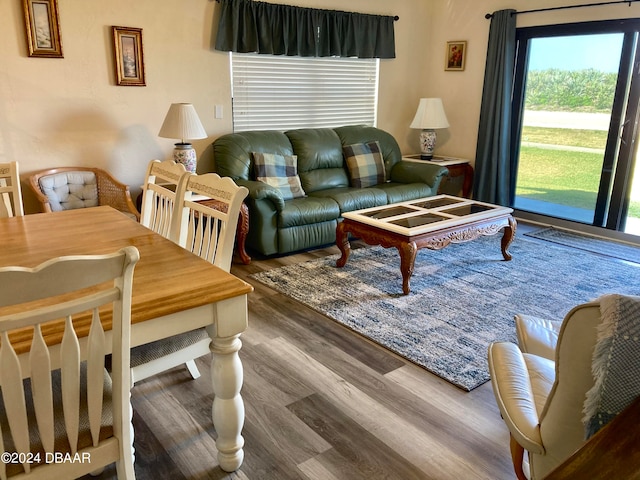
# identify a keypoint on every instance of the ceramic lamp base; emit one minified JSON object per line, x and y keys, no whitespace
{"x":427,"y":143}
{"x":185,"y":154}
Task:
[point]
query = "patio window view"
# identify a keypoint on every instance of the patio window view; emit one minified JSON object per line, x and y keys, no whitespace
{"x":576,"y":152}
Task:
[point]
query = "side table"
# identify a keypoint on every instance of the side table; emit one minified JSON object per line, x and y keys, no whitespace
{"x":459,"y":182}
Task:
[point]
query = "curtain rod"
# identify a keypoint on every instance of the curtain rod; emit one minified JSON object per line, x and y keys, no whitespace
{"x":489,"y":15}
{"x":396,"y":17}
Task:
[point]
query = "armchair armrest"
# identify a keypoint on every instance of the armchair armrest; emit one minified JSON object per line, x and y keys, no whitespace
{"x":261,"y":191}
{"x":115,"y":193}
{"x":411,"y":172}
{"x":514,"y":395}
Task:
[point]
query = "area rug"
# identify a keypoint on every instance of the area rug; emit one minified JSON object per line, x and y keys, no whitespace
{"x":462,"y":297}
{"x":588,"y":243}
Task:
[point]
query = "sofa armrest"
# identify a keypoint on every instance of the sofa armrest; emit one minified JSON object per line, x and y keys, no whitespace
{"x":514,"y":395}
{"x":261,"y":191}
{"x":411,"y":172}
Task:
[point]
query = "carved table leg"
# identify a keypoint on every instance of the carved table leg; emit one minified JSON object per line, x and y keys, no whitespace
{"x":407,"y":253}
{"x":507,"y":238}
{"x":342,"y":241}
{"x":228,"y":407}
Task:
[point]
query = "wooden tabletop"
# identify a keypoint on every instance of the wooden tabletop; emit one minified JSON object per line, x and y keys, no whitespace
{"x":167,"y":279}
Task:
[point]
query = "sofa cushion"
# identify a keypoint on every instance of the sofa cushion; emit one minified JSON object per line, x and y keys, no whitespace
{"x":308,"y":210}
{"x":350,"y":198}
{"x":365,"y":164}
{"x":403,"y":192}
{"x":232,"y":152}
{"x":389,"y":148}
{"x":320,"y":159}
{"x":279,"y":171}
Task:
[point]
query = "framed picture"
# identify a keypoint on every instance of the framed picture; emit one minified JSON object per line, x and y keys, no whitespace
{"x":456,"y":53}
{"x":129,"y":61}
{"x":43,"y":28}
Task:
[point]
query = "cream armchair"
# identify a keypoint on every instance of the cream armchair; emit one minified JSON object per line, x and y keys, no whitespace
{"x":541,"y":400}
{"x":552,"y":405}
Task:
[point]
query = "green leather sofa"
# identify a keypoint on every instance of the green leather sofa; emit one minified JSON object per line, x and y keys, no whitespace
{"x":277,"y":226}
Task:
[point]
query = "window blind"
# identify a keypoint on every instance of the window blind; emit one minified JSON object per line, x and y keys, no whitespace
{"x":272,"y":92}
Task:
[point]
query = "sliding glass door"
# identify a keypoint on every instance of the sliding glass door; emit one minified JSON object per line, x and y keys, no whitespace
{"x":577,"y":106}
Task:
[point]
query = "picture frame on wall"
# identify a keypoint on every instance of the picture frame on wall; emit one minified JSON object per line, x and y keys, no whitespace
{"x":129,"y":57}
{"x":456,"y":55}
{"x":43,"y":28}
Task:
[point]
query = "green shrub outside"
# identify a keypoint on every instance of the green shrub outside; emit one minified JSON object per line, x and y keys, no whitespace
{"x":577,"y":91}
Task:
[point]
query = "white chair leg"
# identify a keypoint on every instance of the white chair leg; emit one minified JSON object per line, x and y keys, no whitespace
{"x":193,"y":370}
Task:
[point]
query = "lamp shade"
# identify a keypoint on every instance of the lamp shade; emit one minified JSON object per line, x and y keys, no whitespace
{"x":182,"y":122}
{"x":430,"y":114}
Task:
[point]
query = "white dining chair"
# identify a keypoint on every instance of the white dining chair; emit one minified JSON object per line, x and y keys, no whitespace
{"x":159,"y":194}
{"x":10,"y":191}
{"x":205,"y":219}
{"x":58,"y":400}
{"x":207,"y":216}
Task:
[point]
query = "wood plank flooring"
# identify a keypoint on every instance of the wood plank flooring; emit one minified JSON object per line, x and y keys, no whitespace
{"x":322,"y":403}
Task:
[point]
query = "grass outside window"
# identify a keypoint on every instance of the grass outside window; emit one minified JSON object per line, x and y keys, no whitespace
{"x":561,"y":176}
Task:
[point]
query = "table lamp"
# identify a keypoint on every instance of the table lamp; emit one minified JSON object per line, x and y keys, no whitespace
{"x":430,"y":116}
{"x":182,"y":122}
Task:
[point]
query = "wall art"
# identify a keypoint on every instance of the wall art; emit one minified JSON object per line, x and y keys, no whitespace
{"x":456,"y":53}
{"x":43,"y":28}
{"x":129,"y":59}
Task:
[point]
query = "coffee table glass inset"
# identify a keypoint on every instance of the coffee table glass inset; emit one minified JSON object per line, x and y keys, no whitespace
{"x":432,"y":222}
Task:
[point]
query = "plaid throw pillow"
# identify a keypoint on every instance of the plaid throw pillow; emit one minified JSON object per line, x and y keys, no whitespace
{"x":365,"y":164}
{"x":279,"y":171}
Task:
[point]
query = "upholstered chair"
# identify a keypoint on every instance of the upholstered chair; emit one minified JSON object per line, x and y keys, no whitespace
{"x":66,"y":188}
{"x":552,"y":406}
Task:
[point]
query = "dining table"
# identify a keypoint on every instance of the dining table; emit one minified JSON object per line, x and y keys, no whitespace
{"x":174,"y":291}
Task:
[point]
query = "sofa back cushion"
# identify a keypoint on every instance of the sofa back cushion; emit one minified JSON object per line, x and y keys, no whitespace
{"x":320,"y":161}
{"x":233,"y":153}
{"x":389,"y":148}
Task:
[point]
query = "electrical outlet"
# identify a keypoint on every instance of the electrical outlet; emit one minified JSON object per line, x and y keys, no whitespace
{"x":218,"y":111}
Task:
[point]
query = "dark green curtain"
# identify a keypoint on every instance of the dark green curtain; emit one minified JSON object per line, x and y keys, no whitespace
{"x":495,"y":171}
{"x":258,"y":27}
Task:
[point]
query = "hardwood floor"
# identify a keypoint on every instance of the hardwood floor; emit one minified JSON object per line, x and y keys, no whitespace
{"x":321,"y":403}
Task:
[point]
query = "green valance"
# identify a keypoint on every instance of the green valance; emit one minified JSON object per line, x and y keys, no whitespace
{"x":257,"y":27}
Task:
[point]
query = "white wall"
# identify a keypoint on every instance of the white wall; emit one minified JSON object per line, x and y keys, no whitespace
{"x":58,"y":112}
